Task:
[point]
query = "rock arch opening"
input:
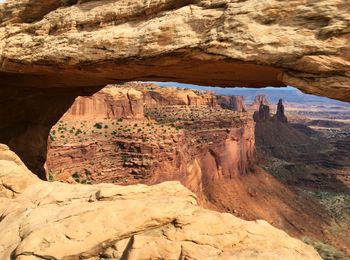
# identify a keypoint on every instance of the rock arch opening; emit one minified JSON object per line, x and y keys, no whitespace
{"x":49,"y":55}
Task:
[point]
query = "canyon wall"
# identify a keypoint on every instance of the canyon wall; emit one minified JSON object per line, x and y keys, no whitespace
{"x":109,"y":103}
{"x":231,"y":140}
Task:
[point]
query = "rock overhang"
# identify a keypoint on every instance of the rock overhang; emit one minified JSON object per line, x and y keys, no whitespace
{"x":222,"y":43}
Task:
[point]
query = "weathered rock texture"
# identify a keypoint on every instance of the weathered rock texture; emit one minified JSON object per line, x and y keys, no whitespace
{"x":44,"y":48}
{"x":250,"y":43}
{"x":109,"y":103}
{"x":62,"y":221}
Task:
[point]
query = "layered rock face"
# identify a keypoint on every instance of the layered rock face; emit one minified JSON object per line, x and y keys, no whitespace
{"x":109,"y":103}
{"x":155,"y":96}
{"x":95,"y":43}
{"x":175,"y":131}
{"x":61,"y":221}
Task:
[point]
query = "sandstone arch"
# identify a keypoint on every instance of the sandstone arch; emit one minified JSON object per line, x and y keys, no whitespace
{"x":51,"y":53}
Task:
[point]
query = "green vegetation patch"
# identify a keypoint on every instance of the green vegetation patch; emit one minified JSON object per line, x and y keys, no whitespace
{"x":98,"y":125}
{"x":327,"y":252}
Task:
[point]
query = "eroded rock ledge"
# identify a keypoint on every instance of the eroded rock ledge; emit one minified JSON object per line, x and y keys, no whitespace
{"x":62,"y":221}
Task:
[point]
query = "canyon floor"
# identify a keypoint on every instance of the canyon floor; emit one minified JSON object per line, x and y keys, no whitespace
{"x":297,"y":177}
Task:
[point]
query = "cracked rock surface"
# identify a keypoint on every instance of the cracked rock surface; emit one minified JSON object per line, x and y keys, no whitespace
{"x":44,"y":220}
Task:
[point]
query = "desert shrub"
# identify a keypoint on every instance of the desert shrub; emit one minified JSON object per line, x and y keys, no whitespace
{"x":50,"y":177}
{"x":76,"y":176}
{"x":78,"y":132}
{"x":98,"y":125}
{"x":327,"y":252}
{"x":106,"y":126}
{"x":52,"y":136}
{"x":125,"y":158}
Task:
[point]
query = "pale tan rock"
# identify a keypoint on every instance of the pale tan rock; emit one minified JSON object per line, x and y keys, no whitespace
{"x":221,"y":43}
{"x":64,"y":221}
{"x":14,"y":175}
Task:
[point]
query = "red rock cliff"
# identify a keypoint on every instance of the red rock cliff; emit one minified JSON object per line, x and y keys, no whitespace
{"x":109,"y":103}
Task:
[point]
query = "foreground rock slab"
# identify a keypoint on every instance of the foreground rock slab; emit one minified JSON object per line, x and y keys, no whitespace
{"x":44,"y":220}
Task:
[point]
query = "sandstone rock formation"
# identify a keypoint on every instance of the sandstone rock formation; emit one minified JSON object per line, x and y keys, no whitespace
{"x":51,"y":55}
{"x":63,"y":221}
{"x":109,"y":103}
{"x":157,"y":148}
{"x":205,"y":124}
{"x":263,"y":114}
{"x":155,"y":95}
{"x":280,"y":116}
{"x":258,"y":100}
{"x":14,"y":176}
{"x":235,"y":103}
{"x":196,"y":36}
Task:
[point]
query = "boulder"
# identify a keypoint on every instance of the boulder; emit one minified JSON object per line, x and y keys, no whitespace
{"x":73,"y":221}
